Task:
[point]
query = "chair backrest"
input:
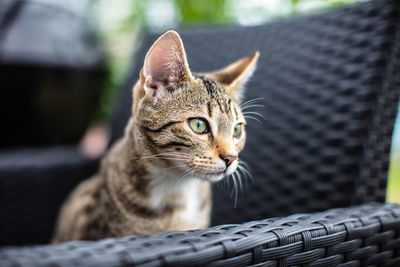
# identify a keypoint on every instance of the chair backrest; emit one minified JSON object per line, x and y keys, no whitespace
{"x":330,"y":92}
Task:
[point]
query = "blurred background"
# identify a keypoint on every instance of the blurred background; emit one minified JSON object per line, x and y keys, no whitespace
{"x":94,"y":69}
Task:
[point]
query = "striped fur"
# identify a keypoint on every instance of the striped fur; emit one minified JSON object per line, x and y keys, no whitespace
{"x":157,"y":176}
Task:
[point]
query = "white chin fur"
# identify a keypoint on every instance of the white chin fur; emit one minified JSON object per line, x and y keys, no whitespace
{"x":210,"y":177}
{"x":216,"y":177}
{"x":232,"y":168}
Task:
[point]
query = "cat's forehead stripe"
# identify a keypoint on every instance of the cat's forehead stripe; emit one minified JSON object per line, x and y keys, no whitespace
{"x":209,"y":84}
{"x":236,"y":113}
{"x":216,"y":94}
{"x":209,"y":109}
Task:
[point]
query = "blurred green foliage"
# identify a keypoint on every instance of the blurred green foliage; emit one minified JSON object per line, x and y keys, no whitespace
{"x":393,"y":191}
{"x":393,"y":187}
{"x":204,"y":12}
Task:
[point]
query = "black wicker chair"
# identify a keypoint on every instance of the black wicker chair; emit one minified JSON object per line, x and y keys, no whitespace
{"x":330,"y":89}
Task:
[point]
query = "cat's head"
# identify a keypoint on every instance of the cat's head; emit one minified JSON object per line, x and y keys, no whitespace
{"x":191,"y":123}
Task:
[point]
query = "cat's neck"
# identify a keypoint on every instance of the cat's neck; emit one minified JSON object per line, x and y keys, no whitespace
{"x":137,"y":179}
{"x":167,"y":183}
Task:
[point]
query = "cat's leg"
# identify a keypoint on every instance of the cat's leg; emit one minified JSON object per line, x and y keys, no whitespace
{"x":76,"y":213}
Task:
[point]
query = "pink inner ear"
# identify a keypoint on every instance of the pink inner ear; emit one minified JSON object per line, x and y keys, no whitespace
{"x":163,"y":62}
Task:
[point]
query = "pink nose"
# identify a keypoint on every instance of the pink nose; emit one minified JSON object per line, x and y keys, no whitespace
{"x":228,"y":159}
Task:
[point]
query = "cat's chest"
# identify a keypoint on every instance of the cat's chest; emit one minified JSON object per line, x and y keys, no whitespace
{"x":195,"y":211}
{"x":192,"y":204}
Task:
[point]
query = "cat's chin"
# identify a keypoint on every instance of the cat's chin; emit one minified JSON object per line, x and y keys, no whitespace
{"x":211,"y":177}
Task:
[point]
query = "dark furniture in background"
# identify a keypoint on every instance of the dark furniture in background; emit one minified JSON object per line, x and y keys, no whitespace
{"x":52,"y":69}
{"x":330,"y":88}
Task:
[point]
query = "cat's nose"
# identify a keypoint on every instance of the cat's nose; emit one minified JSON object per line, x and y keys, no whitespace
{"x":228,"y":159}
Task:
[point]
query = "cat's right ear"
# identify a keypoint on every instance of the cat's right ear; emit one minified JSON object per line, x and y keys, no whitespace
{"x":235,"y":75}
{"x":165,"y":66}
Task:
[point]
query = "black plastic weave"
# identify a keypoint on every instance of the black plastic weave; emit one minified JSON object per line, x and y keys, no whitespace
{"x":358,"y":236}
{"x":330,"y":89}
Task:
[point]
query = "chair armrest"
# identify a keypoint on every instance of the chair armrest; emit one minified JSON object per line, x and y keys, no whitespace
{"x":356,"y":236}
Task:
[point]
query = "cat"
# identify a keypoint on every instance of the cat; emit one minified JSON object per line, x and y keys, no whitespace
{"x":186,"y":131}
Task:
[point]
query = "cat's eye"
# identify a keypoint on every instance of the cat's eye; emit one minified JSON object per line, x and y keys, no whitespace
{"x":237,"y":130}
{"x":198,"y":126}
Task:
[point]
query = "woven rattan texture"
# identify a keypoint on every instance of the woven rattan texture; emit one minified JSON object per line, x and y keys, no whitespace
{"x":373,"y":175}
{"x":329,"y":84}
{"x":361,"y":236}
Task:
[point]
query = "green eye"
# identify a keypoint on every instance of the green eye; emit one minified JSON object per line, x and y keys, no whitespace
{"x":198,"y":126}
{"x":237,"y":130}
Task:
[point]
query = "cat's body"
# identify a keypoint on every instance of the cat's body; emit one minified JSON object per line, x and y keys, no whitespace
{"x":118,"y":202}
{"x":185,"y":132}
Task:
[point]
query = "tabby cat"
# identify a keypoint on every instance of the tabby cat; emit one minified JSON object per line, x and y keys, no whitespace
{"x":185,"y":132}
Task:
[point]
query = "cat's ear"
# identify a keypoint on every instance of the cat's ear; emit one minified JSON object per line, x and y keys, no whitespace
{"x":165,"y":66}
{"x":234,"y":76}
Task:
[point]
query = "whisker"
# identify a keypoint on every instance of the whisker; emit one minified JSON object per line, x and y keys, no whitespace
{"x":254,"y":113}
{"x":252,"y":106}
{"x":190,"y":171}
{"x":170,"y":156}
{"x":235,"y":187}
{"x":245,"y":172}
{"x":176,"y":159}
{"x":246,"y":168}
{"x":178,"y":166}
{"x":161,"y":156}
{"x":223,"y":183}
{"x":253,"y":118}
{"x":170,"y":153}
{"x":244,"y":164}
{"x":251,"y":101}
{"x":240,"y":182}
{"x":176,"y":153}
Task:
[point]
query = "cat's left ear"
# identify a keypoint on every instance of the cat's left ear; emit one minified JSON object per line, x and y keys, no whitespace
{"x":165,"y":66}
{"x":234,"y":76}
